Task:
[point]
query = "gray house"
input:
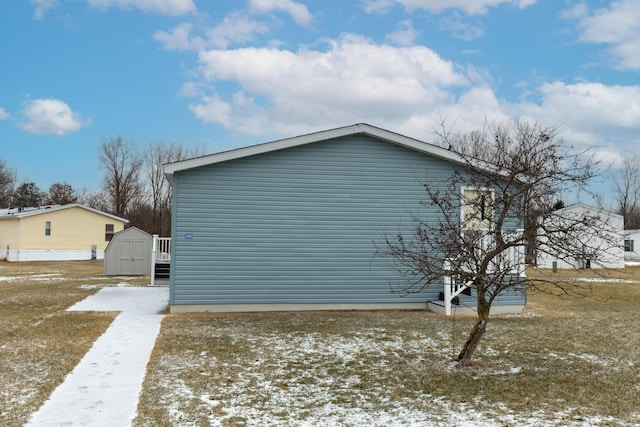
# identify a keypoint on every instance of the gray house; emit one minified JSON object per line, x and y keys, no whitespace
{"x":291,"y":224}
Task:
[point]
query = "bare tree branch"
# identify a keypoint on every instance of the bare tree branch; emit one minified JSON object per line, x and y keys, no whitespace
{"x":474,"y":225}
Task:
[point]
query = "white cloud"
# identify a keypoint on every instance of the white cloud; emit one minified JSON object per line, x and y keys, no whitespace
{"x":50,"y":116}
{"x":165,"y":7}
{"x":3,"y":114}
{"x":590,"y":114}
{"x":41,"y":6}
{"x":470,"y":7}
{"x":235,"y":28}
{"x":405,"y":35}
{"x":179,"y":38}
{"x":617,"y":26}
{"x":354,"y":80}
{"x":460,"y":29}
{"x":298,"y":11}
{"x":380,"y":7}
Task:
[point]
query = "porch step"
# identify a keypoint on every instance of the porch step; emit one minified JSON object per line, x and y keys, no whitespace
{"x":456,"y":309}
{"x":470,"y":309}
{"x":162,"y":270}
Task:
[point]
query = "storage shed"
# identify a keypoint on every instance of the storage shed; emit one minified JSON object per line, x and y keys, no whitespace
{"x":128,"y":253}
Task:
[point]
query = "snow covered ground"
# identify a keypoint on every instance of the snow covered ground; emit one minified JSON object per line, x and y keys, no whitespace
{"x":103,"y":388}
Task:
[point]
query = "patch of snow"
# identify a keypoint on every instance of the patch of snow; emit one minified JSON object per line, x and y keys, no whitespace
{"x":604,"y":280}
{"x":98,"y":286}
{"x":103,"y":388}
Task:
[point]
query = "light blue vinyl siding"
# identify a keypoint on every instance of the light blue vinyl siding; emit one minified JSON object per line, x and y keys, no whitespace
{"x":297,"y":225}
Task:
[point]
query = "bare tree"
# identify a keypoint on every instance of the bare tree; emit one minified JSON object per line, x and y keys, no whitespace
{"x":474,"y":225}
{"x":156,"y":156}
{"x":121,"y":183}
{"x":627,"y":188}
{"x":95,"y":199}
{"x":7,"y":184}
{"x":61,"y":194}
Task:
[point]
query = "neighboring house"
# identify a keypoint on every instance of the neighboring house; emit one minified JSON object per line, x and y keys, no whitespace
{"x":56,"y":233}
{"x":594,"y":245}
{"x":292,"y":224}
{"x":632,"y":245}
{"x":128,"y":253}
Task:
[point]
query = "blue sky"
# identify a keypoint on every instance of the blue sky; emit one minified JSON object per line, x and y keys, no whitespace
{"x":224,"y":74}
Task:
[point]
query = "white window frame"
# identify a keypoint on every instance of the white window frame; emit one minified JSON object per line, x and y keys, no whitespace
{"x":490,"y":219}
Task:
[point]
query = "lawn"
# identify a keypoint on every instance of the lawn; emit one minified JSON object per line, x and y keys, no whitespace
{"x":565,"y":361}
{"x":40,"y":342}
{"x":570,"y":361}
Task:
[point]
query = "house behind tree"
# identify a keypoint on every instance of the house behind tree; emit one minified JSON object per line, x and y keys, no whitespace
{"x":292,"y":224}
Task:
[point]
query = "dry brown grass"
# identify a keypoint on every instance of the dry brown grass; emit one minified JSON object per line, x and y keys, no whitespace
{"x":40,"y":342}
{"x":571,"y":361}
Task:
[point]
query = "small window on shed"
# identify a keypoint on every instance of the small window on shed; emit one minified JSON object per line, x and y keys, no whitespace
{"x":47,"y":228}
{"x":628,"y":245}
{"x":108,"y":232}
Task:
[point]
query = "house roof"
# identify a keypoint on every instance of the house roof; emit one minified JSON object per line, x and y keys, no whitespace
{"x":585,"y":207}
{"x":356,"y":129}
{"x":13,"y":213}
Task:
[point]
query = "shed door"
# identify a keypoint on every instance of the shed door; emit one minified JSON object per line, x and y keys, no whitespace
{"x":141,"y":254}
{"x":133,"y":257}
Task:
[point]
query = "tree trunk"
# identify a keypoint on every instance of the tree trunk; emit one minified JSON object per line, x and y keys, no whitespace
{"x":464,"y":357}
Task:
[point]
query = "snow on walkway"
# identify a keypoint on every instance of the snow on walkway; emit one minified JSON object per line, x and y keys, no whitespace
{"x":103,"y":388}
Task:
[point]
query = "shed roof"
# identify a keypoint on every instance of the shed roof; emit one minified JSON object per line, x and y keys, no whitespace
{"x":12,"y":213}
{"x":356,"y":129}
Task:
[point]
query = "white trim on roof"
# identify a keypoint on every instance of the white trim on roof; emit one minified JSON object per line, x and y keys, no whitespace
{"x":25,"y":212}
{"x":356,"y":129}
{"x":587,"y":208}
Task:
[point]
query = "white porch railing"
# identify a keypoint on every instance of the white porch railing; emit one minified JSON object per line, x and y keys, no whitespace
{"x":512,"y":259}
{"x":160,"y":253}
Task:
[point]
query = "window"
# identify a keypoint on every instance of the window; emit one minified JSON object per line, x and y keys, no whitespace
{"x":476,"y":208}
{"x":108,"y":232}
{"x":628,"y":245}
{"x":47,"y":228}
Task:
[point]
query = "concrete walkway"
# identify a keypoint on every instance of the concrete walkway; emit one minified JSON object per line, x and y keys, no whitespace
{"x":103,"y":389}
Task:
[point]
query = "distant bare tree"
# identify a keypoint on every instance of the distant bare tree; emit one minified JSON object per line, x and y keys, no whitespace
{"x":95,"y":199}
{"x":61,"y":194}
{"x":470,"y":227}
{"x":627,"y":188}
{"x":7,"y":184}
{"x":157,"y":155}
{"x":121,"y":183}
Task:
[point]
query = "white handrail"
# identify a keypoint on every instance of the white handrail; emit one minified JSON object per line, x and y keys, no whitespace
{"x":160,"y":252}
{"x":512,"y":258}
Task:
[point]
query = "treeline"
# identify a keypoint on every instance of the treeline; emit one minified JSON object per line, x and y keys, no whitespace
{"x":133,"y":185}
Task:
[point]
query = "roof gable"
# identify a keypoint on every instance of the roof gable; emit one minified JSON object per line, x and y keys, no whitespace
{"x":39,"y":210}
{"x":326,"y":135}
{"x":582,"y":207}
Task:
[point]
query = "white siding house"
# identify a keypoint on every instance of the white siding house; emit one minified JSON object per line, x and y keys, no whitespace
{"x":594,"y":240}
{"x":632,"y":245}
